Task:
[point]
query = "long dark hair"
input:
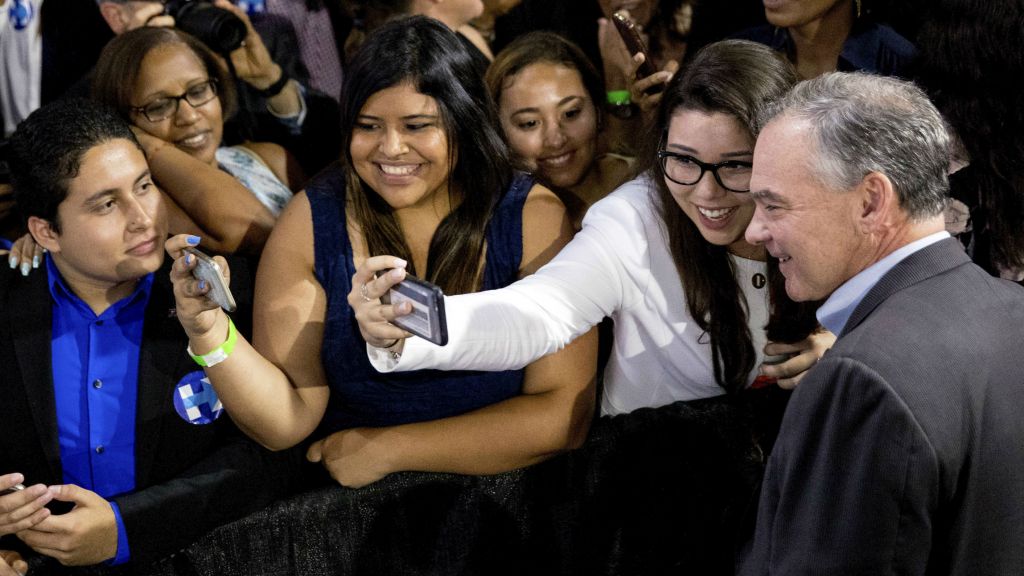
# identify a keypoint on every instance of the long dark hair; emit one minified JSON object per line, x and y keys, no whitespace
{"x":971,"y":76}
{"x":428,"y":55}
{"x":734,"y":77}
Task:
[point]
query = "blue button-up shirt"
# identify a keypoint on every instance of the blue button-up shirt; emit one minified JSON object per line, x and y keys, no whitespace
{"x":836,"y":311}
{"x":95,"y":381}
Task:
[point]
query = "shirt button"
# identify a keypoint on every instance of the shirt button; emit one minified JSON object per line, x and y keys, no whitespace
{"x":97,"y":383}
{"x":99,"y":322}
{"x":100,"y":449}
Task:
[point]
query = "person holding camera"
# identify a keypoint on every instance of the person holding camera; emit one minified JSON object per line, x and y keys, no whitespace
{"x":275,"y":103}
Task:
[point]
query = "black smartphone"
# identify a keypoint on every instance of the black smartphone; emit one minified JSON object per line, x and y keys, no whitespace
{"x":427,"y":319}
{"x":12,"y":489}
{"x":207,"y":269}
{"x":635,"y":45}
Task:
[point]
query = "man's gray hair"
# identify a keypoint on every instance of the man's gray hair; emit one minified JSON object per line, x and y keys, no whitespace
{"x":863,"y":123}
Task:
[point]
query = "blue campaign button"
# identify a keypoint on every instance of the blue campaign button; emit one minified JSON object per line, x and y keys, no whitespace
{"x":195,"y":400}
{"x":21,"y":13}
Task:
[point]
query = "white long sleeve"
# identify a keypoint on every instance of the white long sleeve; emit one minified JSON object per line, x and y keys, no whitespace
{"x":618,"y":265}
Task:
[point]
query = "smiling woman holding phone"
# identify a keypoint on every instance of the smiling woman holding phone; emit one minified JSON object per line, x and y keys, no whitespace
{"x":425,"y":180}
{"x":664,"y":256}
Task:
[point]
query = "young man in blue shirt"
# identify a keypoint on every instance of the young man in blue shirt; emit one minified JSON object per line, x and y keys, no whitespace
{"x":102,"y":411}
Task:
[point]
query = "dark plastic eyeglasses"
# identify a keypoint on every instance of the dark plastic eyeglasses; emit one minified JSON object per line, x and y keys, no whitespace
{"x":733,"y":175}
{"x":167,"y":106}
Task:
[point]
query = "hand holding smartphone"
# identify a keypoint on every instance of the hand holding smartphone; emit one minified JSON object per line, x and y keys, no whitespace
{"x":635,"y":45}
{"x":208,"y":270}
{"x":12,"y":490}
{"x":427,"y":319}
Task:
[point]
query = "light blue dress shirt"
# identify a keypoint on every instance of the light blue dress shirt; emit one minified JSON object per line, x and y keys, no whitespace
{"x":836,"y":311}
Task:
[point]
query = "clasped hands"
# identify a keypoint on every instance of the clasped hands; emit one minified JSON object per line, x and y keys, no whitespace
{"x":86,"y":535}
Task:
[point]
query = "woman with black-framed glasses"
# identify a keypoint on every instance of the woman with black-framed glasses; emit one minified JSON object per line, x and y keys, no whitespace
{"x":176,"y":93}
{"x":663,"y":256}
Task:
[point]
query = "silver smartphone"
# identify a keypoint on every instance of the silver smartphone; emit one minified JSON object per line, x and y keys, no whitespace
{"x":208,"y":270}
{"x":427,"y":319}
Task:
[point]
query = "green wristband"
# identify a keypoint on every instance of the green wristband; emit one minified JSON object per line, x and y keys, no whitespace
{"x":619,"y":97}
{"x":220,"y":353}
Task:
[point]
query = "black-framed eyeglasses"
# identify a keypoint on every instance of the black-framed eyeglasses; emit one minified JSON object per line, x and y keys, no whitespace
{"x":163,"y":108}
{"x":733,"y":175}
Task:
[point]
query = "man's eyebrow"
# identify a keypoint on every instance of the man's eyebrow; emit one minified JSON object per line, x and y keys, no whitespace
{"x":765,"y":195}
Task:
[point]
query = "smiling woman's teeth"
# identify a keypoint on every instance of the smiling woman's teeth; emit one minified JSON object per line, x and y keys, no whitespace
{"x":715,"y":214}
{"x":397,"y":170}
{"x":194,"y":140}
{"x":556,"y":160}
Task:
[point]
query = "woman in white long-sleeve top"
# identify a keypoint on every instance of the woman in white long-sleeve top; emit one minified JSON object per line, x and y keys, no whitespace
{"x":663,"y":256}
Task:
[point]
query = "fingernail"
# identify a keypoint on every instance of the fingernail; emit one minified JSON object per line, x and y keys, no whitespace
{"x":13,"y":261}
{"x":188,"y":259}
{"x":35,"y":261}
{"x":396,"y":274}
{"x":202,"y":284}
{"x":55,"y":490}
{"x":399,"y":263}
{"x":25,"y":267}
{"x":192,"y":240}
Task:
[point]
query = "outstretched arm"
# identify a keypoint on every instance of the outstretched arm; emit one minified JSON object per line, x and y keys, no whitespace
{"x":276,"y":392}
{"x":587,"y":281}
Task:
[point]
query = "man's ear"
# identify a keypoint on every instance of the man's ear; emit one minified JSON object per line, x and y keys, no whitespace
{"x":43,"y":233}
{"x":114,"y":14}
{"x":878,"y":200}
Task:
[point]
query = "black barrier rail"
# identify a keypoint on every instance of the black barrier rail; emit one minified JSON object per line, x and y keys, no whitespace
{"x":658,"y":491}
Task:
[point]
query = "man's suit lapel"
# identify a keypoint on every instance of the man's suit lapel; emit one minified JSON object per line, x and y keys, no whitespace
{"x":921,"y":265}
{"x":160,"y":365}
{"x":32,"y":326}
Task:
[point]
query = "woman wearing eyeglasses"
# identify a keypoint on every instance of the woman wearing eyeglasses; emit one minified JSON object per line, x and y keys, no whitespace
{"x":176,"y":93}
{"x":664,"y":256}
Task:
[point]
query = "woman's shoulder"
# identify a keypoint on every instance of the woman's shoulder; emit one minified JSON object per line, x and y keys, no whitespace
{"x":628,"y":215}
{"x":546,"y":228}
{"x":635,"y":196}
{"x":331,"y":182}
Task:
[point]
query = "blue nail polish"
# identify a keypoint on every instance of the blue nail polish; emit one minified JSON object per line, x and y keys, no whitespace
{"x":192,"y":240}
{"x":188,"y":259}
{"x":202,"y":285}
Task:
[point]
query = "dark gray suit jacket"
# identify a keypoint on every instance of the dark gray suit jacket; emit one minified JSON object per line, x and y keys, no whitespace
{"x":189,"y":478}
{"x":902,"y":452}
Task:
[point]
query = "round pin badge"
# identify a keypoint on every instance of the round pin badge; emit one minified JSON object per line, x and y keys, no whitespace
{"x":21,"y":13}
{"x":758,"y":280}
{"x":195,"y":400}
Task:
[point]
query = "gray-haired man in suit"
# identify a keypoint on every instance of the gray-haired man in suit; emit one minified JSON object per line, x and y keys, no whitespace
{"x":902,"y":452}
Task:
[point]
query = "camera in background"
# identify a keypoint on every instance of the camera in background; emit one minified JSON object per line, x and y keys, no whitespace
{"x":219,"y":29}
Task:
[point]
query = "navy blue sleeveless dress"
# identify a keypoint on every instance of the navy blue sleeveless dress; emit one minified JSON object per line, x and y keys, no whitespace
{"x":361,"y":396}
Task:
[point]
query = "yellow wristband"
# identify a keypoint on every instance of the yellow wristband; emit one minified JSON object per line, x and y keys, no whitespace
{"x":220,"y":353}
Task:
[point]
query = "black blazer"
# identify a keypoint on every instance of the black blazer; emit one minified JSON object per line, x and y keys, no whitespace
{"x":189,"y":478}
{"x":902,"y":452}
